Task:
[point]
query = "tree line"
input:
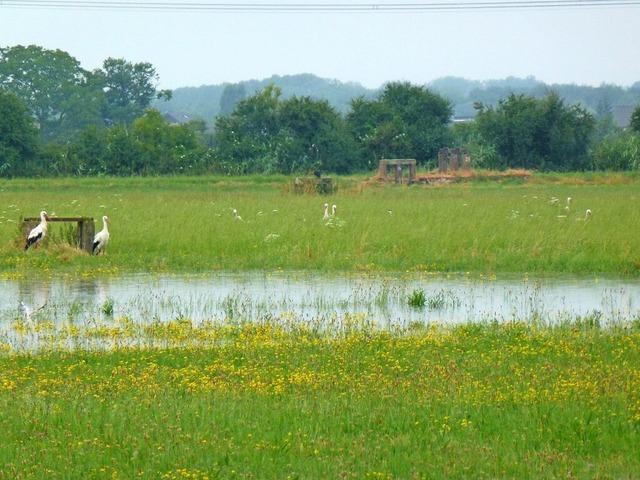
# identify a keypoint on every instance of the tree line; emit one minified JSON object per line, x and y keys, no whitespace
{"x":59,"y":119}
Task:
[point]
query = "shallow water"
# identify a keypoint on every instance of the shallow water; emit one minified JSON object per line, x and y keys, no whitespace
{"x":383,"y":299}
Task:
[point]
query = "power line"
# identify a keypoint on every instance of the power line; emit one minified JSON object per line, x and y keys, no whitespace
{"x":317,"y":7}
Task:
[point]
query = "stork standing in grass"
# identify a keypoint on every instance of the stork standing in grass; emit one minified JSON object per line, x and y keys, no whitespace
{"x":38,"y":232}
{"x":326,"y":211}
{"x":101,"y":239}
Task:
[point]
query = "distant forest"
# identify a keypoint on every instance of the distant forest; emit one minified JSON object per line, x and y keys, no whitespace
{"x":204,"y":102}
{"x":58,"y":119}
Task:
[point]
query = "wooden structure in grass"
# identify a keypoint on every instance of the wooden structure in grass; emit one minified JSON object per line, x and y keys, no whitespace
{"x":86,"y":229}
{"x":400,"y":165}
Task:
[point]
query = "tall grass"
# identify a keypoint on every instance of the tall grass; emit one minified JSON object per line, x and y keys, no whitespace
{"x":186,"y":224}
{"x":266,"y":401}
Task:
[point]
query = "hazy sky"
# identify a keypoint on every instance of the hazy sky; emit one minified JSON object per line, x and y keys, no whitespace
{"x":586,"y":45}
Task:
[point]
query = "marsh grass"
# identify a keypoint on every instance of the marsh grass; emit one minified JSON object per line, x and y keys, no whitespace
{"x":271,"y":400}
{"x":417,"y":298}
{"x":187,"y":224}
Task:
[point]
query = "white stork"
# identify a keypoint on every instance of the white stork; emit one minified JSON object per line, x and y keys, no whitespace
{"x":334,"y":210}
{"x":38,"y":232}
{"x":235,"y":215}
{"x":101,"y":238}
{"x":326,"y":211}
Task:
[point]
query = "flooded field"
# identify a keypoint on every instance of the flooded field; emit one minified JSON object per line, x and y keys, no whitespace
{"x":386,"y":300}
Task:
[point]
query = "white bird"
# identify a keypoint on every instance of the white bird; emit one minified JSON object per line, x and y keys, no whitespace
{"x":235,"y":215}
{"x":334,"y":209}
{"x":587,"y":214}
{"x":101,"y":239}
{"x":38,"y":232}
{"x":326,"y":211}
{"x":28,"y":312}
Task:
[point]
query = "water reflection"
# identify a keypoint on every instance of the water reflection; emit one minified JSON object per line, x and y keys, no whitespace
{"x":383,"y":299}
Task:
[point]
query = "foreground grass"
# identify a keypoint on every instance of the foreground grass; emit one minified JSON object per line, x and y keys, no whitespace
{"x":269,"y":401}
{"x":186,"y":224}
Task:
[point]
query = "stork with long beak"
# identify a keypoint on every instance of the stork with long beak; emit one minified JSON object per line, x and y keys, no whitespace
{"x":101,"y":238}
{"x":38,"y":232}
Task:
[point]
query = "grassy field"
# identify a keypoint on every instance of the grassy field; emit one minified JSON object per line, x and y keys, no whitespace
{"x":271,"y":398}
{"x":186,"y":224}
{"x":270,"y":401}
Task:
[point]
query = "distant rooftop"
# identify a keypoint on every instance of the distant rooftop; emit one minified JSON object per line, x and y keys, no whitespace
{"x":176,"y":118}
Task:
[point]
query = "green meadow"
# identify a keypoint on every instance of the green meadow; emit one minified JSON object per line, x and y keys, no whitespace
{"x":269,"y":401}
{"x":187,"y":224}
{"x":273,"y":397}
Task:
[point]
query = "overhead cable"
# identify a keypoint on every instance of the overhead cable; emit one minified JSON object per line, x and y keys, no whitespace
{"x":316,"y":7}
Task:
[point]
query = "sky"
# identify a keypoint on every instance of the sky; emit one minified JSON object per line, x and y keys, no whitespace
{"x":581,"y":44}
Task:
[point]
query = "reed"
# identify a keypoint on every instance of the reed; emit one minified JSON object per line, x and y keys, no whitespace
{"x":187,"y":224}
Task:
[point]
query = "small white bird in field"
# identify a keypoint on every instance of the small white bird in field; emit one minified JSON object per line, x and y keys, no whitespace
{"x":38,"y":232}
{"x":326,"y":212}
{"x":101,"y":239}
{"x":235,"y":215}
{"x":334,"y":210}
{"x":29,"y":312}
{"x":587,"y":214}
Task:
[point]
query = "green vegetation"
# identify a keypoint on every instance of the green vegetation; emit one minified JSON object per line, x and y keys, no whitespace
{"x":417,"y":298}
{"x":59,"y":120}
{"x":272,"y":397}
{"x":187,"y":224}
{"x":273,"y":400}
{"x":276,"y":397}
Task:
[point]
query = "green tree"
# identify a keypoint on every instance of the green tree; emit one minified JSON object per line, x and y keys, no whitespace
{"x":165,"y":148}
{"x":317,"y":137}
{"x":18,"y":136}
{"x":617,"y":153}
{"x":605,"y":127}
{"x":563,"y":135}
{"x":269,"y":135}
{"x":89,"y":150}
{"x":246,"y":141}
{"x":406,"y":121}
{"x":634,"y":124}
{"x":231,"y":95}
{"x":130,"y":88}
{"x":482,"y":153}
{"x":53,"y":86}
{"x":537,"y":134}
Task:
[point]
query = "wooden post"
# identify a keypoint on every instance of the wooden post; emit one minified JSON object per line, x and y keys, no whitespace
{"x":86,"y":232}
